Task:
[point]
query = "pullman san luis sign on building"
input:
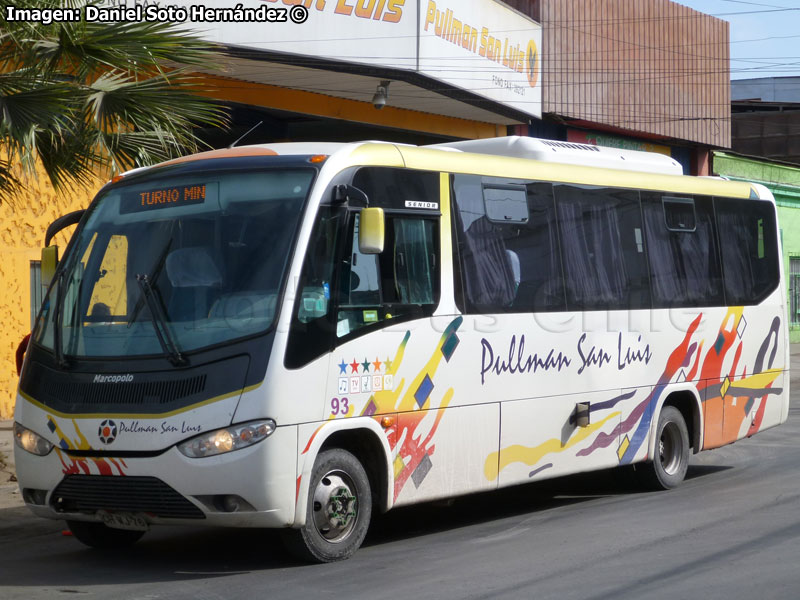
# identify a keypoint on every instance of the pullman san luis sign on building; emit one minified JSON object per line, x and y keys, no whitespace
{"x":483,"y":47}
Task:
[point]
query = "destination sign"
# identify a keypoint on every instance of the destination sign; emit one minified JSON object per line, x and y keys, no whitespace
{"x":162,"y":197}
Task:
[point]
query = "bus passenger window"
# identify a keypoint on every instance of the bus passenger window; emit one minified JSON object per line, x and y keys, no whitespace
{"x":487,"y":266}
{"x":343,"y":293}
{"x":679,"y":214}
{"x":360,"y":294}
{"x":400,"y":282}
{"x":507,"y":245}
{"x":684,"y":262}
{"x":413,"y":260}
{"x":747,"y":230}
{"x":601,"y":246}
{"x":505,"y":203}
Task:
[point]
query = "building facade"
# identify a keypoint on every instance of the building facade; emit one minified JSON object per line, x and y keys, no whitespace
{"x":635,"y":74}
{"x":765,"y":119}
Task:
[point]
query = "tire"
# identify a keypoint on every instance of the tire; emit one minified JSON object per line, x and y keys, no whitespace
{"x":338,"y":510}
{"x":668,"y":467}
{"x":98,"y":535}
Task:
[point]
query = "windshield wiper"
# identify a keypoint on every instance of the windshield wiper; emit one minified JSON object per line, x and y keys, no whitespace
{"x":160,"y":325}
{"x":154,"y":273}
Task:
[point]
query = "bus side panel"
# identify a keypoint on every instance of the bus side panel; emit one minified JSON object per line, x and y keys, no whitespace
{"x":441,"y":453}
{"x":636,"y":408}
{"x":367,"y":376}
{"x":712,"y":419}
{"x":416,"y":371}
{"x":741,"y":373}
{"x":768,"y":410}
{"x":288,"y":396}
{"x":756,"y":397}
{"x":542,"y":438}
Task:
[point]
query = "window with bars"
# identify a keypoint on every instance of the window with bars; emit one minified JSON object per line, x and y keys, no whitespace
{"x":37,"y":292}
{"x":794,"y":290}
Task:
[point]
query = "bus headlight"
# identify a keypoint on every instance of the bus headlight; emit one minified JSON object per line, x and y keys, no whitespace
{"x":228,"y":439}
{"x":30,"y":441}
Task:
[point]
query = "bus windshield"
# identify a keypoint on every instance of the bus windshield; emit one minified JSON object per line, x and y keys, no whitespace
{"x":173,"y":264}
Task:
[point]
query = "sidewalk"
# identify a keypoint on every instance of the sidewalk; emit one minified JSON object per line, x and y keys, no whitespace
{"x":9,"y":492}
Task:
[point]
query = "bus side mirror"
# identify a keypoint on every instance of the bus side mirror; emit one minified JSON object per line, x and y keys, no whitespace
{"x":50,"y":253}
{"x":371,"y":233}
{"x":49,"y":264}
{"x":62,"y":223}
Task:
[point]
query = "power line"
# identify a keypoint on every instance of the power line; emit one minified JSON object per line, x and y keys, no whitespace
{"x":750,"y":3}
{"x":576,"y":75}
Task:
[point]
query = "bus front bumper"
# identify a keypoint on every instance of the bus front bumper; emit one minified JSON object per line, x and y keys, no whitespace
{"x":251,"y":487}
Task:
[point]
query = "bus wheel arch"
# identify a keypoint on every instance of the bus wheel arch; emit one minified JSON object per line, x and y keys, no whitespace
{"x":366,"y":446}
{"x":676,"y":431}
{"x":690,"y":407}
{"x":338,"y":510}
{"x":367,"y":442}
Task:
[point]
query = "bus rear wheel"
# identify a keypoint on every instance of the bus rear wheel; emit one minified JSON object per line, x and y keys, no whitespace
{"x":671,"y":457}
{"x":338,"y":510}
{"x":98,"y":535}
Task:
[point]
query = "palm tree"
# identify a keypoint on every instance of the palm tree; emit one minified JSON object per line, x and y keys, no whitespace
{"x":79,"y":97}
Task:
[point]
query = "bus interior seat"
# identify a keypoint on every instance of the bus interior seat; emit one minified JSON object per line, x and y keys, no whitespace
{"x":539,"y":286}
{"x":490,"y":280}
{"x":513,"y":260}
{"x":194,"y":277}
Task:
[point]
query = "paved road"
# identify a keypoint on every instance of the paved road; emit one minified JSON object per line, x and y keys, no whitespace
{"x":732,"y":530}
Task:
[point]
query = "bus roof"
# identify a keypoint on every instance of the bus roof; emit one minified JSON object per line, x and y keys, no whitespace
{"x":511,"y":156}
{"x":570,"y":153}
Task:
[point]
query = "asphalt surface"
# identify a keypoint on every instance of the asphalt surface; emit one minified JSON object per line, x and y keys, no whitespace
{"x":9,"y":492}
{"x":731,"y":530}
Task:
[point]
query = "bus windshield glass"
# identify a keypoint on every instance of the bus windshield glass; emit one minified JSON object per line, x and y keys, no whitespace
{"x":173,"y":264}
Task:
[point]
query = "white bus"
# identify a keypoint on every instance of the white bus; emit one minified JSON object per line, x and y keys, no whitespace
{"x":296,"y":336}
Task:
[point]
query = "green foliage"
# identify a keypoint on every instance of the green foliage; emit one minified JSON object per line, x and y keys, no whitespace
{"x":79,"y":97}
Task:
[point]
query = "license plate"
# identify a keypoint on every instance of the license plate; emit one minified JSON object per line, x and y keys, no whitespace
{"x":123,"y":520}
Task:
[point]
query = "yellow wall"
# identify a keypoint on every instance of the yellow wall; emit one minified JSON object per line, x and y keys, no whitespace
{"x":23,"y":221}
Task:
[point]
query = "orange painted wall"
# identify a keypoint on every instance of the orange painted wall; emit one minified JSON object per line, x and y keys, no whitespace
{"x":23,"y":221}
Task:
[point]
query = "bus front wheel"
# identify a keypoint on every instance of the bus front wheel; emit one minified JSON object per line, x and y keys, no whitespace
{"x":97,"y":535}
{"x":671,"y":457}
{"x":338,"y":510}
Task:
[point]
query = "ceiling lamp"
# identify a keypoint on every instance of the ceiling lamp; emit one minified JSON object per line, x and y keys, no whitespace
{"x":381,"y":95}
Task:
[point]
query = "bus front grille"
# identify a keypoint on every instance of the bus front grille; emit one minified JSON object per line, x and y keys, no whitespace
{"x":89,"y":493}
{"x":146,"y":393}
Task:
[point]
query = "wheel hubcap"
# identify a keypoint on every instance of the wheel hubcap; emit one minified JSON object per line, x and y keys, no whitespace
{"x":669,"y":448}
{"x":335,"y":506}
